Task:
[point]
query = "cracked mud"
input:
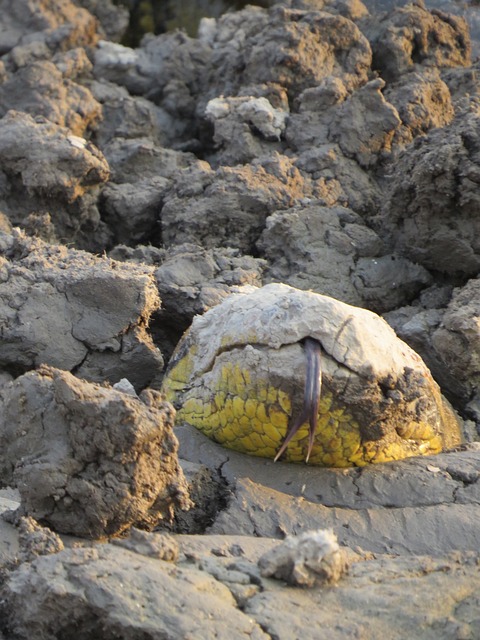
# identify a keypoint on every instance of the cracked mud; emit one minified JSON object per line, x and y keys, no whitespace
{"x":316,"y":146}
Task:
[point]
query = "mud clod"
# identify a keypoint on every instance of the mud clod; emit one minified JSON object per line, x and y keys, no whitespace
{"x":111,"y":460}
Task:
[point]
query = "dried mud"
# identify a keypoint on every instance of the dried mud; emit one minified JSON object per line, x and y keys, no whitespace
{"x":313,"y":143}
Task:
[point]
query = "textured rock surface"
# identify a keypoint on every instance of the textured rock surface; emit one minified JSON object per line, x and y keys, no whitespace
{"x":315,"y":144}
{"x":113,"y":18}
{"x":39,"y":88}
{"x":335,"y":253}
{"x":310,"y":559}
{"x":168,"y":69}
{"x":35,"y":540}
{"x":77,"y":312}
{"x":302,"y":49}
{"x":127,"y":117}
{"x":228,"y":207}
{"x":9,"y":535}
{"x":246,"y":122}
{"x":142,"y":176}
{"x":61,"y":24}
{"x":344,"y":611}
{"x":423,"y":102}
{"x":139,"y":595}
{"x":239,"y":372}
{"x":430,"y":211}
{"x":412,"y":36}
{"x":45,"y":168}
{"x":153,"y":545}
{"x":191,"y":280}
{"x":127,"y":594}
{"x":380,"y":508}
{"x":444,"y":330}
{"x":89,"y":460}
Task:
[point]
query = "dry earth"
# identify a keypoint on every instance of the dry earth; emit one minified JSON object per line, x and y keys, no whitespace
{"x":313,"y":144}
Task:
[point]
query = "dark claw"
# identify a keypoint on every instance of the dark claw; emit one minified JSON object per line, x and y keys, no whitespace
{"x":311,"y":397}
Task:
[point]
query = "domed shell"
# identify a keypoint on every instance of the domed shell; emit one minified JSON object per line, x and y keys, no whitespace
{"x":239,"y":372}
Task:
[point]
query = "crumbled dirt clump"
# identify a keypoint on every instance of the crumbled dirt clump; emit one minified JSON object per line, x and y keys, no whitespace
{"x":110,"y":462}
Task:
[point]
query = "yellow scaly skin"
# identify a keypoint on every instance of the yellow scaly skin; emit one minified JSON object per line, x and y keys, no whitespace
{"x":243,"y":412}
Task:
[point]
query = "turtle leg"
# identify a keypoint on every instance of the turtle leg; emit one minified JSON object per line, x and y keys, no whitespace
{"x":311,"y":398}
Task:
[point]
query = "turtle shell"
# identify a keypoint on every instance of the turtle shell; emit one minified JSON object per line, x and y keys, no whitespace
{"x":238,"y":375}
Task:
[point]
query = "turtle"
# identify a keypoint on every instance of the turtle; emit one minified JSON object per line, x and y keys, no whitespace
{"x":288,"y":374}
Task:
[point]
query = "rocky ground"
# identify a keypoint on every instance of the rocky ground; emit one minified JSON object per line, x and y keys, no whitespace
{"x":313,"y":144}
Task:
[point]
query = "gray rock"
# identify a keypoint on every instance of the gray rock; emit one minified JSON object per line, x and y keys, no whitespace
{"x":127,"y":117}
{"x":226,"y":550}
{"x":142,"y":177}
{"x":132,"y":210}
{"x":352,"y":9}
{"x":368,"y":602}
{"x":365,"y":124}
{"x":228,"y":207}
{"x":162,"y":66}
{"x":74,"y":64}
{"x":59,"y":23}
{"x":152,"y":545}
{"x":388,"y":281}
{"x":24,"y":54}
{"x":320,"y":244}
{"x":88,"y":460}
{"x":417,"y":324}
{"x":132,"y":159}
{"x":362,"y":123}
{"x":82,"y":165}
{"x":145,"y":254}
{"x":456,"y":343}
{"x":124,"y":594}
{"x":423,"y":102}
{"x":9,"y":535}
{"x":77,"y":312}
{"x":431,"y":530}
{"x":168,"y":69}
{"x":310,"y":559}
{"x":35,"y":540}
{"x":330,"y":145}
{"x":461,"y":82}
{"x":381,"y":508}
{"x":113,"y":18}
{"x":209,"y":493}
{"x":45,"y":168}
{"x":411,"y":35}
{"x":40,"y":89}
{"x":125,"y":386}
{"x":245,"y":127}
{"x":314,"y":113}
{"x":5,"y":224}
{"x":190,"y":281}
{"x":339,"y":180}
{"x":431,"y":204}
{"x":330,"y":250}
{"x":293,"y":48}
